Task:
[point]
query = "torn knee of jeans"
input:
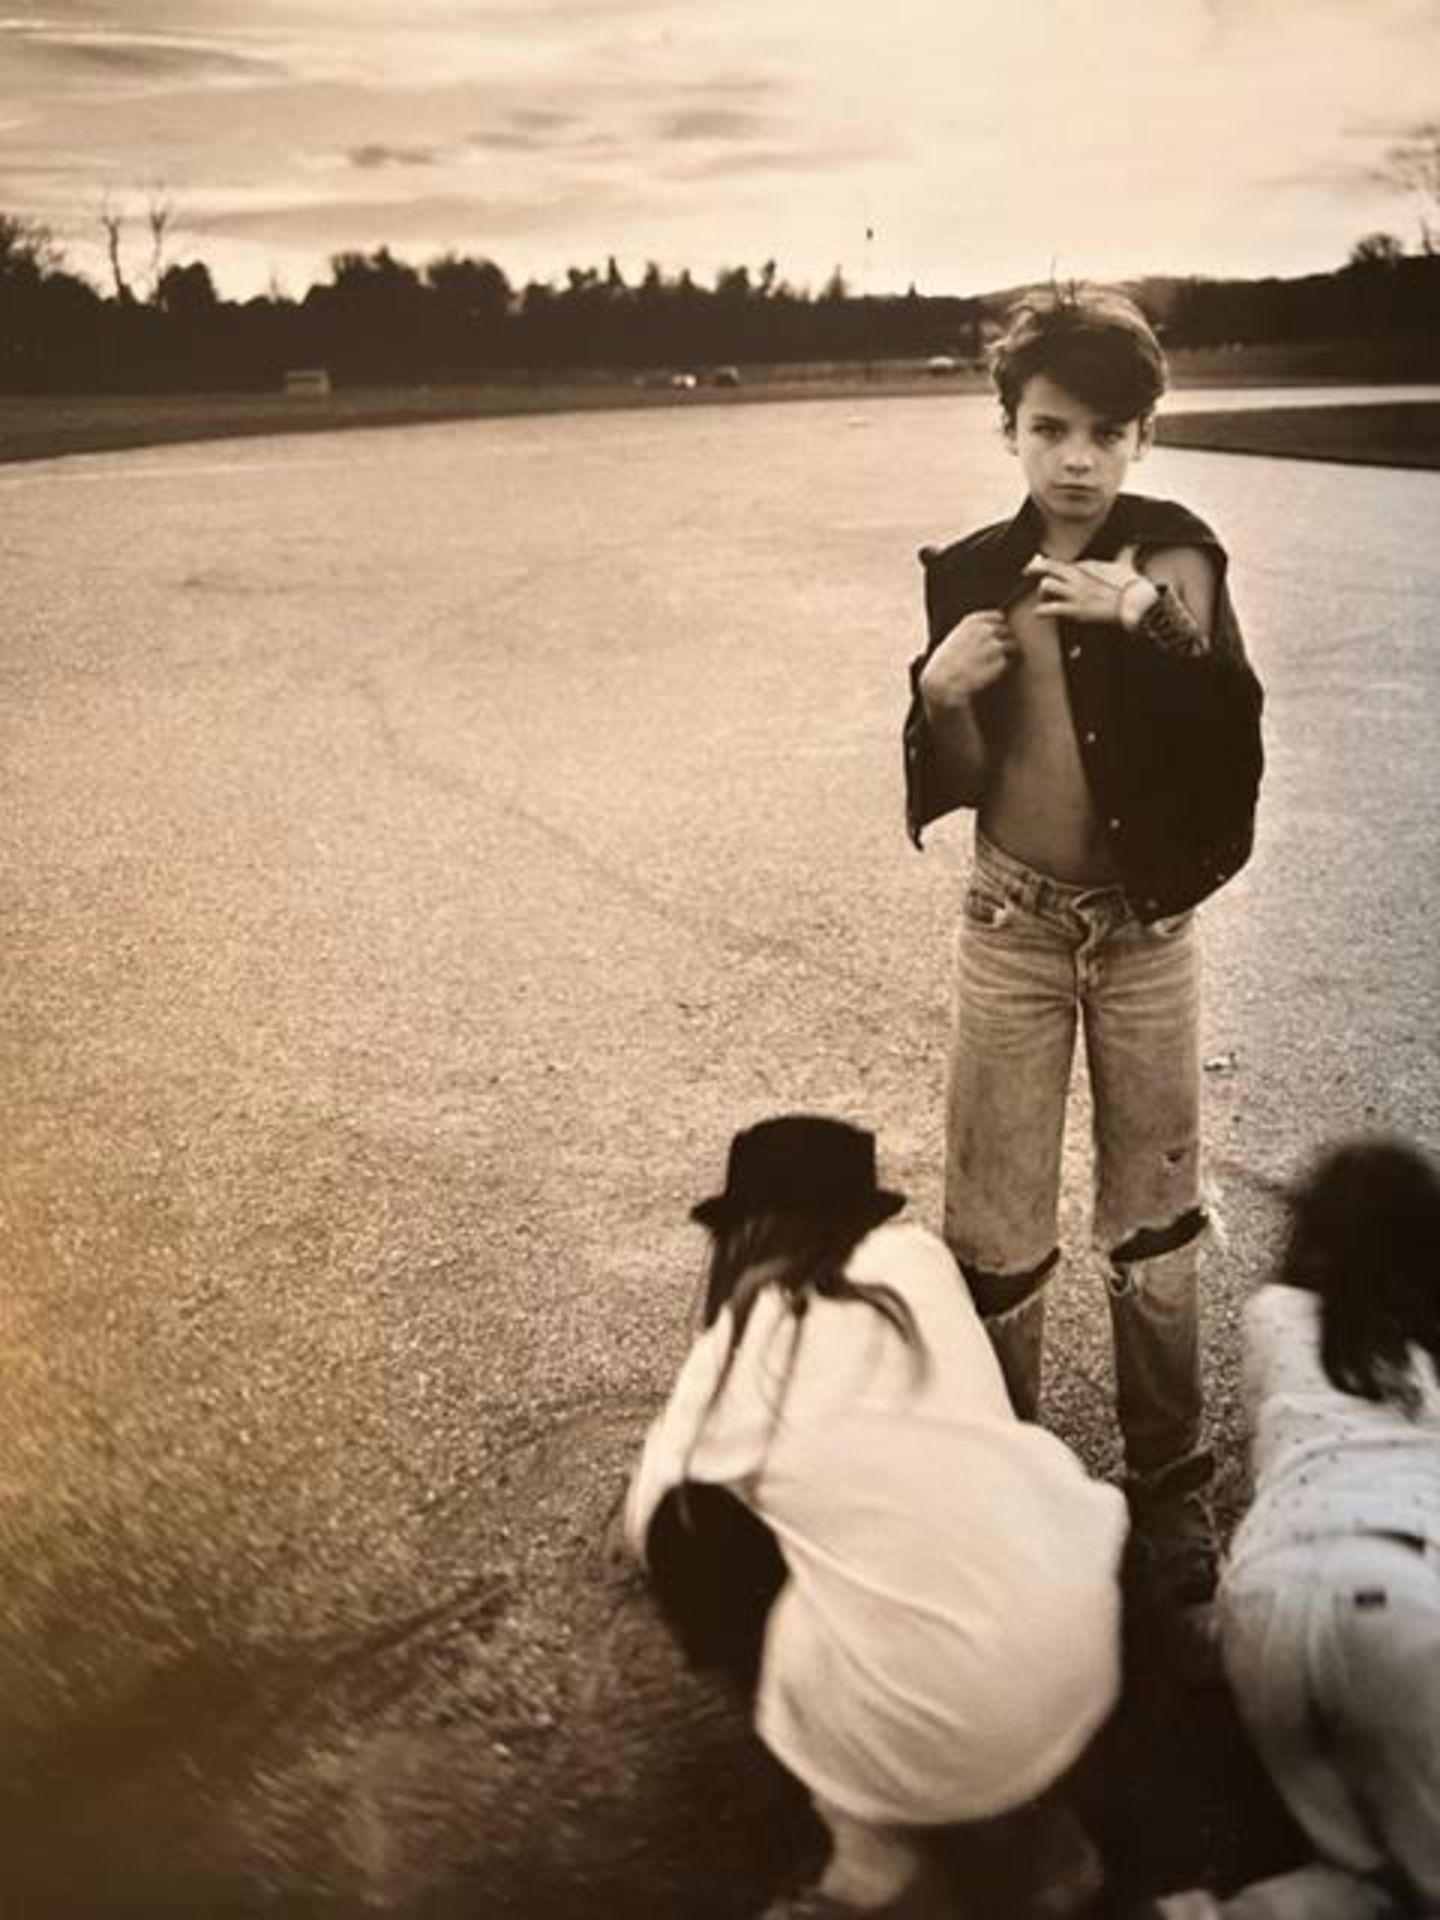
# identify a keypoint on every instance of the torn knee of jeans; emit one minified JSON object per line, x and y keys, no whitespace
{"x":1146,"y":1243}
{"x":996,"y":1294}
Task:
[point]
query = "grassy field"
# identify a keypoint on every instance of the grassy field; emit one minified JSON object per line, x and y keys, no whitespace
{"x":1398,"y":434}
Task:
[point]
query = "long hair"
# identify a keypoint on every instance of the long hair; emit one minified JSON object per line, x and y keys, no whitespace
{"x":716,"y":1566}
{"x":1365,"y":1236}
{"x":801,"y":1256}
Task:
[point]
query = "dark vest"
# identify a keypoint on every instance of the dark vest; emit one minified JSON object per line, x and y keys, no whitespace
{"x":1170,"y":743}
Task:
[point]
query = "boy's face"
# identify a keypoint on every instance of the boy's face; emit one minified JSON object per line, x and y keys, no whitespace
{"x":1074,"y":459}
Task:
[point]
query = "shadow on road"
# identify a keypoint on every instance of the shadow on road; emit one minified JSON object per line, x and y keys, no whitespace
{"x":415,"y":1770}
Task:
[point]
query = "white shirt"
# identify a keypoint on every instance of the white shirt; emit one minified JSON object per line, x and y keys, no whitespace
{"x":948,"y":1637}
{"x":1328,"y":1462}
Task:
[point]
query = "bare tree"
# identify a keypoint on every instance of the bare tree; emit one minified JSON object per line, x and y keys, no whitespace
{"x":159,"y":219}
{"x":159,"y":214}
{"x":112,"y":222}
{"x":1414,"y":163}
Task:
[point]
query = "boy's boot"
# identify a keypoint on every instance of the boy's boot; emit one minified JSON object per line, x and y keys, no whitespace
{"x":1171,"y":1564}
{"x":1018,"y":1338}
{"x":1012,"y":1307}
{"x":1154,"y":1317}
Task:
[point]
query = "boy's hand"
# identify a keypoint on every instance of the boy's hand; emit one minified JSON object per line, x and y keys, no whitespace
{"x":969,"y":659}
{"x":1100,"y":591}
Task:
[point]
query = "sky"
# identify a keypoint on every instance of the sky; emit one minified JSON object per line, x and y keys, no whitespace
{"x":979,"y":145}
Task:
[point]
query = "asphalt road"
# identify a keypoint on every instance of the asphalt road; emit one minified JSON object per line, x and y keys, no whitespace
{"x":419,"y":851}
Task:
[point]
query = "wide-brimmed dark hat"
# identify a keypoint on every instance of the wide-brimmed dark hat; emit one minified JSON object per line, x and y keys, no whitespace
{"x":801,"y":1163}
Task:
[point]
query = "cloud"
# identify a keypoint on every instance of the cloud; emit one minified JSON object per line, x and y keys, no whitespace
{"x":414,"y":225}
{"x":156,"y":59}
{"x":524,"y":130}
{"x":540,"y":119}
{"x":546,"y":13}
{"x":129,"y":54}
{"x":1218,"y":134}
{"x":751,"y":160}
{"x":375,"y":155}
{"x":1356,"y":18}
{"x":1339,"y":178}
{"x":630,"y":115}
{"x":1386,"y":127}
{"x":712,"y":123}
{"x":1372,"y":151}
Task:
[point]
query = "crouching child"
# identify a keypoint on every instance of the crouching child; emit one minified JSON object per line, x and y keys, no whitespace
{"x":917,"y":1591}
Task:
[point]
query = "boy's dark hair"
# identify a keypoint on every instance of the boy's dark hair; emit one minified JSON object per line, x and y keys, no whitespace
{"x":1365,"y":1236}
{"x":1092,"y":341}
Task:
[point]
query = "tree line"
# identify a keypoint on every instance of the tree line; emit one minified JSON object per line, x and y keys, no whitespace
{"x":379,"y":320}
{"x":1381,"y":293}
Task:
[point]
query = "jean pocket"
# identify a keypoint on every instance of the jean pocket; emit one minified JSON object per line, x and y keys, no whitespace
{"x":983,"y":907}
{"x":1169,"y":925}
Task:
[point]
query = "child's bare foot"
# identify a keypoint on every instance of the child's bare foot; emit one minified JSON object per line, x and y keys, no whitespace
{"x":920,"y":1902}
{"x":927,"y":1897}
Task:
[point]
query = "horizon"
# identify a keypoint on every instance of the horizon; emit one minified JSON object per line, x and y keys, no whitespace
{"x":98,"y":276}
{"x":1252,"y":140}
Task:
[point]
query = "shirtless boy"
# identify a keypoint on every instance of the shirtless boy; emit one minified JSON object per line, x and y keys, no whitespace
{"x":1086,"y":691}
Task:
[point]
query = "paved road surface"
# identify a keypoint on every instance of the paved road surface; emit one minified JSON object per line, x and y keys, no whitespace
{"x":419,"y":850}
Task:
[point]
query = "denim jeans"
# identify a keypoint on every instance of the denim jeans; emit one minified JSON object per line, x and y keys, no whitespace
{"x":1037,"y":960}
{"x":1332,"y":1649}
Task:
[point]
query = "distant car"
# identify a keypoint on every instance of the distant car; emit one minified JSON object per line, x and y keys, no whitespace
{"x":942,"y":363}
{"x":725,"y":377}
{"x":303,"y":383}
{"x":684,"y":382}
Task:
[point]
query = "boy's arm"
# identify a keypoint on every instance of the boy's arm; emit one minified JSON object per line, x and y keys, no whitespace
{"x":1168,"y":600}
{"x":1181,"y":617}
{"x":968,"y":660}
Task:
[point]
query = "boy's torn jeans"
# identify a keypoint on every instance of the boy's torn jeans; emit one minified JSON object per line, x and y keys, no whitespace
{"x":1037,"y":958}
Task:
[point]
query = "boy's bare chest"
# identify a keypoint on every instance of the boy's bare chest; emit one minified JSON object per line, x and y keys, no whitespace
{"x":1038,"y":804}
{"x":1039,"y":702}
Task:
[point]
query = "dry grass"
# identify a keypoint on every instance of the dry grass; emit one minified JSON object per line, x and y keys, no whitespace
{"x":1388,"y":434}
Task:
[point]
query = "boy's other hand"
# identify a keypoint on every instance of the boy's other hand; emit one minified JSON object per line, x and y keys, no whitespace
{"x":968,"y":660}
{"x":1092,"y":590}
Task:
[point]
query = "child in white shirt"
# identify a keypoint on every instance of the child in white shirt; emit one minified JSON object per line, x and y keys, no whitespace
{"x":1330,"y":1602}
{"x":937,"y":1636}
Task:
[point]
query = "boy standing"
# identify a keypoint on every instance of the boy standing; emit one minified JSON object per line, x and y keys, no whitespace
{"x":1086,"y":691}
